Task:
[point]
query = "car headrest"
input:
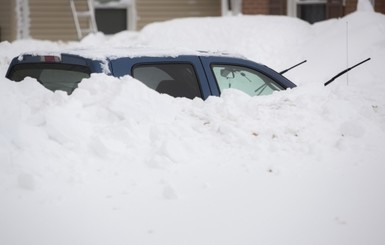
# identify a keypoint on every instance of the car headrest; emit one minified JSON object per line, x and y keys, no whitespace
{"x":175,"y":89}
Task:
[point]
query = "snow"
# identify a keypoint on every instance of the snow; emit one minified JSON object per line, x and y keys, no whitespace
{"x":117,"y":163}
{"x":365,"y":5}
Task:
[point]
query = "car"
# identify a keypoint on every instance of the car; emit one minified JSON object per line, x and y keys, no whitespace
{"x":188,"y":74}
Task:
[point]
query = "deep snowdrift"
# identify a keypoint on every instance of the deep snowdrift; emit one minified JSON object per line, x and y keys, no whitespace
{"x":117,"y":163}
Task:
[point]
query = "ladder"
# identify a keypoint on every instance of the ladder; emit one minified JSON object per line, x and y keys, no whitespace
{"x":84,"y":17}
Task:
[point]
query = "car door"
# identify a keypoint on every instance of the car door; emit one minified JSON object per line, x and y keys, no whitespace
{"x":180,"y":76}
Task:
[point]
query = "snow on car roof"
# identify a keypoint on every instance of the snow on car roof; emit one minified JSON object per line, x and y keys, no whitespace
{"x":119,"y":52}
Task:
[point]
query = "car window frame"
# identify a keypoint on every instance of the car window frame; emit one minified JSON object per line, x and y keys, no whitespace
{"x":207,"y":61}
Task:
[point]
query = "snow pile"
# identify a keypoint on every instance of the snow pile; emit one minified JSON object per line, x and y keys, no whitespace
{"x":117,"y":163}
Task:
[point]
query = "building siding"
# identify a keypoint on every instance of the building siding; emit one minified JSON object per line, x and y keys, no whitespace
{"x":279,"y":7}
{"x":160,"y":10}
{"x":8,"y":20}
{"x":51,"y":20}
{"x":255,"y":7}
{"x":271,"y":7}
{"x":379,"y":6}
{"x":350,"y":6}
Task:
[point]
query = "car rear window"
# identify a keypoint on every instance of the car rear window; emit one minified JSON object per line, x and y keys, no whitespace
{"x":65,"y":77}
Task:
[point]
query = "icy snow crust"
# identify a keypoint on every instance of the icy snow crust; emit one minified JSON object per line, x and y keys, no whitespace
{"x":117,"y":163}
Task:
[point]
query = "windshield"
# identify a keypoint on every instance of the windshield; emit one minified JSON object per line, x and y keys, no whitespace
{"x":245,"y":79}
{"x":65,"y":77}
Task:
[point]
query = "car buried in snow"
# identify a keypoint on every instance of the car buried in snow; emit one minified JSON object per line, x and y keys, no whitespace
{"x":179,"y":74}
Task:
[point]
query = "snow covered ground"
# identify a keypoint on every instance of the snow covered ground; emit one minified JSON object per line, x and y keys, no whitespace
{"x":116,"y":163}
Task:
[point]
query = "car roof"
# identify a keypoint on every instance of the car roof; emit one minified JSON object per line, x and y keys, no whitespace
{"x":129,"y":52}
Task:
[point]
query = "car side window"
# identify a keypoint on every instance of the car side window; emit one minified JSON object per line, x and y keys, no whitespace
{"x":175,"y":79}
{"x":245,"y":79}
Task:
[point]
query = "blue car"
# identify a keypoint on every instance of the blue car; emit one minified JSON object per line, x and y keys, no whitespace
{"x":188,"y":74}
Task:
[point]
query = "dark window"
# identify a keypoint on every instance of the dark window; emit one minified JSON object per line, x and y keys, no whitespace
{"x":111,"y":21}
{"x":312,"y":11}
{"x":245,"y":79}
{"x":54,"y":77}
{"x":175,"y":79}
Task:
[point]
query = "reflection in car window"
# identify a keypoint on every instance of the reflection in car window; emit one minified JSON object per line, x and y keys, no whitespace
{"x":245,"y":79}
{"x":54,"y":77}
{"x":175,"y":79}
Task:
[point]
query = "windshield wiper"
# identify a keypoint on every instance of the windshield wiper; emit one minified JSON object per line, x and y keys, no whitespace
{"x":344,"y":71}
{"x":288,"y":69}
